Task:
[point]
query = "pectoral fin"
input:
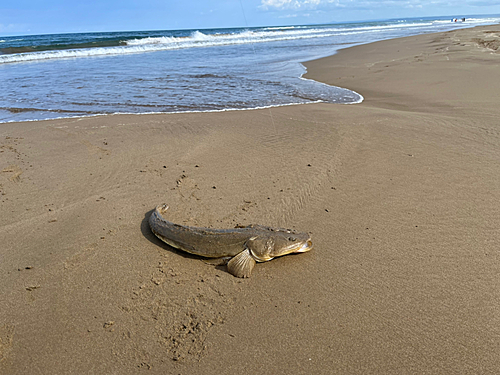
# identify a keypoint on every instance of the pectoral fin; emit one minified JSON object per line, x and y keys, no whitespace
{"x":242,"y":264}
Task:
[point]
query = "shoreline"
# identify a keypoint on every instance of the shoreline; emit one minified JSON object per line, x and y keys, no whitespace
{"x":200,"y":111}
{"x":301,"y":77}
{"x":178,"y":113}
{"x":399,"y":194}
{"x":191,"y":111}
{"x":359,"y":59}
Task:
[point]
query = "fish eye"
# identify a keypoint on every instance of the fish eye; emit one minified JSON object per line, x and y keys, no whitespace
{"x":292,"y":239}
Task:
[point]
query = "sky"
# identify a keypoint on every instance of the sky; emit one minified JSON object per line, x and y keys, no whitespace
{"x":18,"y":17}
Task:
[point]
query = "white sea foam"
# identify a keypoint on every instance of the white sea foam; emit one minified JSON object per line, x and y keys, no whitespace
{"x":70,"y":53}
{"x":180,"y":112}
{"x":152,"y":40}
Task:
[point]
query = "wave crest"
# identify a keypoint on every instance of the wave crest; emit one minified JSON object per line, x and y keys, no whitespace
{"x":222,"y":38}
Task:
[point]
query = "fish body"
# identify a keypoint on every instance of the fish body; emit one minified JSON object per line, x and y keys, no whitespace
{"x":241,"y":247}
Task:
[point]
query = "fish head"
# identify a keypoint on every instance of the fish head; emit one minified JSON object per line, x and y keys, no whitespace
{"x":278,"y":242}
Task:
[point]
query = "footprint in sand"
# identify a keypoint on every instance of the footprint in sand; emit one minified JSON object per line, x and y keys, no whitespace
{"x":6,"y":338}
{"x":94,"y":149}
{"x":16,"y":173}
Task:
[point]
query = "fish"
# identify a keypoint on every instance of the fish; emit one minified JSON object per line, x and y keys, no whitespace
{"x":239,"y":248}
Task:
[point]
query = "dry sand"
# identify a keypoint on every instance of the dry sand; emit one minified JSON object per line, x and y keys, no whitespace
{"x":401,"y":194}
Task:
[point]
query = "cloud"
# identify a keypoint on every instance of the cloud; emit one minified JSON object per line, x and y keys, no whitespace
{"x":295,"y":15}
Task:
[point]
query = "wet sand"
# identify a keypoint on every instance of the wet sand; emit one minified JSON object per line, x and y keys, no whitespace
{"x":401,"y":195}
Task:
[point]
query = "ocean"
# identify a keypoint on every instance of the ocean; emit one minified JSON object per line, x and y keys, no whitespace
{"x":72,"y":75}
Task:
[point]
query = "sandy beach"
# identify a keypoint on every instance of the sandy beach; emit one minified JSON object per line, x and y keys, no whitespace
{"x":401,"y":195}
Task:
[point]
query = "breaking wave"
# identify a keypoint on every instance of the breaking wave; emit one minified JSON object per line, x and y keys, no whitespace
{"x":196,"y":39}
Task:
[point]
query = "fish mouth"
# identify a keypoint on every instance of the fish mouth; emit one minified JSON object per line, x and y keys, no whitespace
{"x":300,"y":248}
{"x":307,"y":246}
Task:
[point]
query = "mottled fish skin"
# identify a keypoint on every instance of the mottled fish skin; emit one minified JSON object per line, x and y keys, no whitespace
{"x":246,"y":246}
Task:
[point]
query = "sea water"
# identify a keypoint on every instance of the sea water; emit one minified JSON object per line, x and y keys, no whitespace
{"x":68,"y":75}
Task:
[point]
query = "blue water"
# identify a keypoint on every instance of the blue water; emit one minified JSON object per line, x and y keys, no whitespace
{"x":67,"y":75}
